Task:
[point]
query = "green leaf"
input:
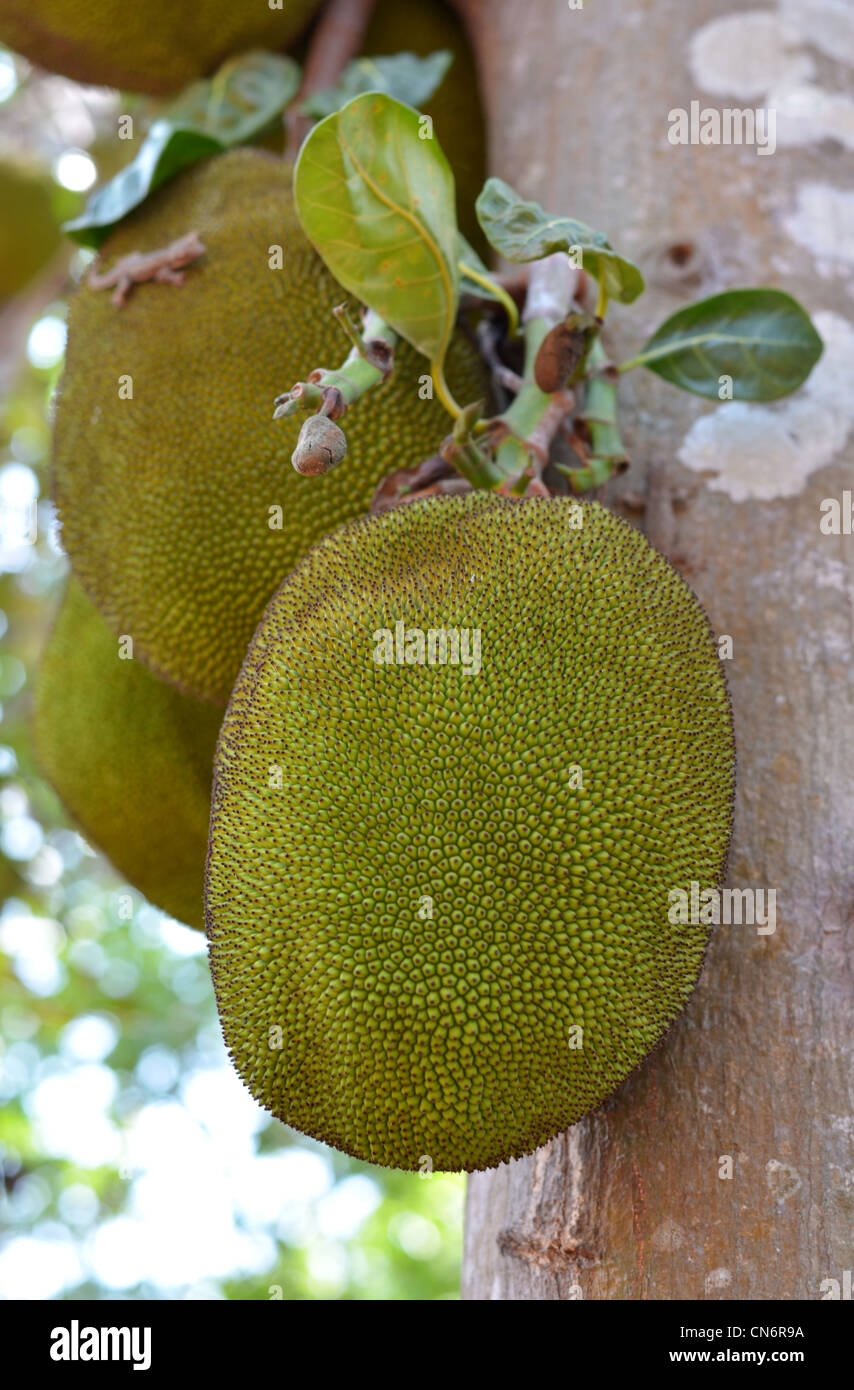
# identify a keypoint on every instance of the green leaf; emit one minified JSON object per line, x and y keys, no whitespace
{"x":762,"y":339}
{"x":378,"y":203}
{"x":210,"y":116}
{"x":404,"y":76}
{"x":243,"y":97}
{"x":523,"y":231}
{"x":164,"y":152}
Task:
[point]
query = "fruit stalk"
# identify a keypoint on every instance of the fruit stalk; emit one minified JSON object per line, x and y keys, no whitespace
{"x":368,"y":364}
{"x":534,"y":417}
{"x":608,"y":454}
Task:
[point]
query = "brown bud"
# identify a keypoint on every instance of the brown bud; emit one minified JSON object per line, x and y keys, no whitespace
{"x":321,"y":445}
{"x":560,"y":353}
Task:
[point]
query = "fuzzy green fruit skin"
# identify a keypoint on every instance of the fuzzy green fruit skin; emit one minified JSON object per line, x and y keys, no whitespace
{"x":169,"y":501}
{"x":29,"y":234}
{"x":449,"y":1035}
{"x":156,"y":47}
{"x":130,"y":758}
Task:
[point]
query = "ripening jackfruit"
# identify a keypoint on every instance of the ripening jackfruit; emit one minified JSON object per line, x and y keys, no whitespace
{"x":422,"y":27}
{"x":157,"y":47}
{"x":437,"y":893}
{"x":180,"y":510}
{"x":29,"y":234}
{"x":130,"y":758}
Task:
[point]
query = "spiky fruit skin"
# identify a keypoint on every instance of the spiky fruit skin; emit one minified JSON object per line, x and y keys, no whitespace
{"x":168,"y":501}
{"x":130,"y":758}
{"x":540,"y":810}
{"x":29,"y":234}
{"x":422,"y":27}
{"x":156,"y":47}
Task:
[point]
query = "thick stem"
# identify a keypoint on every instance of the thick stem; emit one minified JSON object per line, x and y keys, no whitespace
{"x":551,"y":289}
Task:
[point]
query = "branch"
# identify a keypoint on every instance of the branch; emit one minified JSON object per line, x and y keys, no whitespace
{"x":330,"y":392}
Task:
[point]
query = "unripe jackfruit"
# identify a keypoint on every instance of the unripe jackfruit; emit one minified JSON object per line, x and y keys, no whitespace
{"x":156,"y":47}
{"x":438,"y":898}
{"x":130,"y":758}
{"x":29,"y":234}
{"x":180,"y":510}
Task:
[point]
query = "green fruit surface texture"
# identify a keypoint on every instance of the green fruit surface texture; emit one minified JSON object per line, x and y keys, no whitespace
{"x":447,"y":895}
{"x":179,"y":508}
{"x":130,"y":758}
{"x":156,"y":47}
{"x":29,"y":234}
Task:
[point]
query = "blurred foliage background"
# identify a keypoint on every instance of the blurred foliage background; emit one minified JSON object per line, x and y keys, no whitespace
{"x":134,"y":1164}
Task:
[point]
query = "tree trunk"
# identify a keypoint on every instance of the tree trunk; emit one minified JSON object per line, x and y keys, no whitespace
{"x":630,"y":1203}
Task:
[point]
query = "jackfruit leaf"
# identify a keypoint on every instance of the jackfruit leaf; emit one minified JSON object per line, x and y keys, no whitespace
{"x":165,"y":151}
{"x":377,"y":201}
{"x":523,"y":231}
{"x":404,"y":76}
{"x":210,"y":116}
{"x":762,"y":339}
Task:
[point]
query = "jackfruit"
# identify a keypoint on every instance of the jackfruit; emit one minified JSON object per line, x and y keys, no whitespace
{"x":157,"y":47}
{"x":29,"y":234}
{"x":180,"y":510}
{"x":437,"y":895}
{"x":131,"y":758}
{"x":422,"y":27}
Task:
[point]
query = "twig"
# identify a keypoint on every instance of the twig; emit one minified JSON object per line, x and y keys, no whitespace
{"x":559,"y":406}
{"x":434,"y":477}
{"x":505,"y":382}
{"x":321,"y":444}
{"x":368,"y":364}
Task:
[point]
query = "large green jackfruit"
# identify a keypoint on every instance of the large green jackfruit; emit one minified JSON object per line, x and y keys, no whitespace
{"x":439,"y":893}
{"x":129,"y":756}
{"x":29,"y":233}
{"x":180,"y":509}
{"x":422,"y":26}
{"x":156,"y":47}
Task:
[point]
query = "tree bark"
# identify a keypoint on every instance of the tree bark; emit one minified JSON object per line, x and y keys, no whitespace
{"x":629,"y":1202}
